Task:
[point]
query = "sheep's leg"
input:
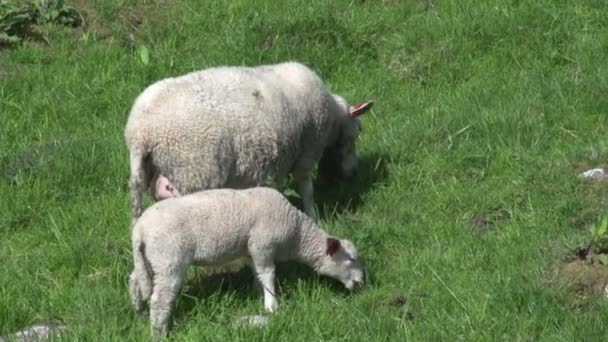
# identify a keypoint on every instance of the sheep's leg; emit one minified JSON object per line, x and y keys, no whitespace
{"x":136,"y":296}
{"x":166,"y":289}
{"x":256,"y":281}
{"x":257,"y":285}
{"x":265,"y":273}
{"x":137,"y":184}
{"x":306,"y":190}
{"x":266,"y":278}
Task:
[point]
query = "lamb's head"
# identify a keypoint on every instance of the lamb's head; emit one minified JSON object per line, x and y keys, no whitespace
{"x":341,"y":262}
{"x":340,"y":156}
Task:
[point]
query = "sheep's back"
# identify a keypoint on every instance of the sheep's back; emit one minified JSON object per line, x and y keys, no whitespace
{"x":229,"y":127}
{"x":219,"y":225}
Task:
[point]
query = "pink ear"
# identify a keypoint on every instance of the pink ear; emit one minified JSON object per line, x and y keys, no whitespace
{"x":333,"y":245}
{"x":360,"y":108}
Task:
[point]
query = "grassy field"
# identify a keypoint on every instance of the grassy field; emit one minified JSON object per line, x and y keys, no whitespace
{"x":468,"y":196}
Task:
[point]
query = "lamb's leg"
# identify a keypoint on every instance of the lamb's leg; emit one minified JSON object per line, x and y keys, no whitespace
{"x":257,"y":285}
{"x":306,"y":190}
{"x":166,"y":289}
{"x":256,"y":281}
{"x":264,"y":270}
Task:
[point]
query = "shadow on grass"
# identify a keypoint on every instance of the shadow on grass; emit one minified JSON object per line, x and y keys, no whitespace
{"x":239,"y":285}
{"x":203,"y":286}
{"x":334,"y":198}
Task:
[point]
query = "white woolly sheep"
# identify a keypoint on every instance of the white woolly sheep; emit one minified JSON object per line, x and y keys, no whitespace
{"x":215,"y":227}
{"x":239,"y":127}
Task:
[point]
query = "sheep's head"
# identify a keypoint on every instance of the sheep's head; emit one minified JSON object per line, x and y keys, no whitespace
{"x":342,"y":263}
{"x":340,"y":157}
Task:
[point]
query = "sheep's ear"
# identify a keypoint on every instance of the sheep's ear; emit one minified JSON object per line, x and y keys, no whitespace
{"x":333,"y":245}
{"x":360,"y":108}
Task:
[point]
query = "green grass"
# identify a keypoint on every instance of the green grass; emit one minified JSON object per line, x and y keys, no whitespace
{"x":480,"y":106}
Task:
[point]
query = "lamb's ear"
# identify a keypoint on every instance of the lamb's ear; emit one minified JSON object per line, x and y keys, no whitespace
{"x":360,"y":108}
{"x":333,"y":245}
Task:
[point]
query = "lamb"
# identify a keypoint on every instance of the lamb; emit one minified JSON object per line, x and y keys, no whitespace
{"x":215,"y":227}
{"x":239,"y":127}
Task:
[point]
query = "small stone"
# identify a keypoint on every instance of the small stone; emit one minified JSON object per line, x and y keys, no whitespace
{"x":38,"y":332}
{"x":597,"y":174}
{"x":253,"y":320}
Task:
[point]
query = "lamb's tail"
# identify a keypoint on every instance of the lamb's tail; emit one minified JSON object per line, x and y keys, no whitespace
{"x":141,"y":279}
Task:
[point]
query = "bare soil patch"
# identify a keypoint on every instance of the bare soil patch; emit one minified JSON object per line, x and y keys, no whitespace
{"x":489,"y":220}
{"x":583,"y":273}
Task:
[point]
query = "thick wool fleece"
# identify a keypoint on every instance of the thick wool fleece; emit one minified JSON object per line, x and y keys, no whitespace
{"x":233,"y":127}
{"x":215,"y":227}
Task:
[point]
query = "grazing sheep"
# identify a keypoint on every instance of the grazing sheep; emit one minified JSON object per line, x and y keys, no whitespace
{"x":240,"y":127}
{"x":215,"y":227}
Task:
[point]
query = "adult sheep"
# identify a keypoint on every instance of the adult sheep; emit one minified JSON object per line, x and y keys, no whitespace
{"x":239,"y":127}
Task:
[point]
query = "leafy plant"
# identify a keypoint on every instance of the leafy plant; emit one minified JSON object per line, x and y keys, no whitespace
{"x":17,"y":18}
{"x":15,"y":22}
{"x":144,"y":54}
{"x":56,"y":11}
{"x":599,"y":236}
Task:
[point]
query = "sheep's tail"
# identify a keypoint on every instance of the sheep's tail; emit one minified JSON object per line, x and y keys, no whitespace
{"x":141,"y":280}
{"x":138,"y":181}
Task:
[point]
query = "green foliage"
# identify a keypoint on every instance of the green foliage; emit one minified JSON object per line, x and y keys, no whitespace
{"x":56,"y":11}
{"x":599,"y":236}
{"x":144,"y":54}
{"x":17,"y":18}
{"x":15,"y":22}
{"x":486,"y":112}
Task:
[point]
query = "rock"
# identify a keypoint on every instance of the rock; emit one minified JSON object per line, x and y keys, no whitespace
{"x":596,"y":174}
{"x":253,"y":321}
{"x":38,"y":332}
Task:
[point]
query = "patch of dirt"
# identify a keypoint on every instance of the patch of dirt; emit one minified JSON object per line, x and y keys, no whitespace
{"x":399,"y":301}
{"x":126,"y":20}
{"x":93,"y":24}
{"x":488,"y":220}
{"x":583,"y":273}
{"x":583,"y":277}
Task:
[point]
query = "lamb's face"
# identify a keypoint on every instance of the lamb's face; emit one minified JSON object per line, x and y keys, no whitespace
{"x":343,"y":264}
{"x":340,"y":159}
